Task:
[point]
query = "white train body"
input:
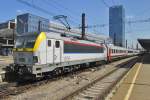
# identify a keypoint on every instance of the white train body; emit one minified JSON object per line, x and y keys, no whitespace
{"x":48,"y":51}
{"x":36,"y":54}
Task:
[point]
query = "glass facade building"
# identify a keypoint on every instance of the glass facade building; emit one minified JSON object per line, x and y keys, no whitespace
{"x":27,"y":23}
{"x":117,"y":25}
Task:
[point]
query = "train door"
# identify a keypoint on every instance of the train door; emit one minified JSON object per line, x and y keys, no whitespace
{"x":109,"y":53}
{"x":50,"y":51}
{"x":57,"y":51}
{"x":105,"y":52}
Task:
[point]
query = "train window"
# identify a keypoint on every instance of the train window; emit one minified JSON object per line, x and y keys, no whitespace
{"x":49,"y":43}
{"x":57,"y":44}
{"x":76,"y":48}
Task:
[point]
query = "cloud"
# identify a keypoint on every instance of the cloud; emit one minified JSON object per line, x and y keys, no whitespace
{"x":128,"y":17}
{"x":19,"y":12}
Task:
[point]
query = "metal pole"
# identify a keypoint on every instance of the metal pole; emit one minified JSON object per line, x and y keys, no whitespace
{"x":137,"y":47}
{"x":13,"y":36}
{"x":115,"y":39}
{"x":24,"y":27}
{"x":126,"y":43}
{"x":39,"y":27}
{"x":83,"y":26}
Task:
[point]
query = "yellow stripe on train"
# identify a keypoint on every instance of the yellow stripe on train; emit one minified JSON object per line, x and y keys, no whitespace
{"x":41,"y":37}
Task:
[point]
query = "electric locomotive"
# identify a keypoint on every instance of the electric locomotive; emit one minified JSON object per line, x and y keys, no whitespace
{"x":36,"y":55}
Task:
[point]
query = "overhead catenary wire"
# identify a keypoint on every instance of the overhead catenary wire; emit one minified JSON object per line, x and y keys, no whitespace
{"x":73,"y":19}
{"x":127,"y":22}
{"x":32,"y":5}
{"x":105,"y":3}
{"x":37,"y":7}
{"x":67,"y":9}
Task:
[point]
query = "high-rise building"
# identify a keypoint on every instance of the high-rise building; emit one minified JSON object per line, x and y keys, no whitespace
{"x":31,"y":23}
{"x":117,"y":25}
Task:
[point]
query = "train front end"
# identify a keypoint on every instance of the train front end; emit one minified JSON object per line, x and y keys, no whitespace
{"x":25,"y":54}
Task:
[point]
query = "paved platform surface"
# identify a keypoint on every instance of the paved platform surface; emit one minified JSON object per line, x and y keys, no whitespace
{"x":136,"y":85}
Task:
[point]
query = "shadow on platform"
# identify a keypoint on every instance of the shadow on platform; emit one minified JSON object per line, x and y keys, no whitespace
{"x":146,"y":59}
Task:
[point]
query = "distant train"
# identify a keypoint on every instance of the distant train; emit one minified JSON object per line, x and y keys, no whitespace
{"x":37,"y":55}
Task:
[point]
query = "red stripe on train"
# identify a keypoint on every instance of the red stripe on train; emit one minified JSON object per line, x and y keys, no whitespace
{"x":83,"y":44}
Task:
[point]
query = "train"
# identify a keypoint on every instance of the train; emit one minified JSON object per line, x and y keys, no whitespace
{"x":37,"y":55}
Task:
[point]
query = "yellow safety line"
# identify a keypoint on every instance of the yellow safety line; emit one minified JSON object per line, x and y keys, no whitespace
{"x":132,"y":83}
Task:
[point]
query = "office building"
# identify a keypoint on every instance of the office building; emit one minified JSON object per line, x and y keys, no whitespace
{"x":117,"y":25}
{"x":27,"y":23}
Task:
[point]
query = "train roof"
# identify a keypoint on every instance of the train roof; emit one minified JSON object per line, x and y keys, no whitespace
{"x":68,"y":38}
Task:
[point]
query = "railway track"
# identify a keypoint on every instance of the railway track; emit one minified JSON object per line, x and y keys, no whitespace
{"x":101,"y":87}
{"x":15,"y":89}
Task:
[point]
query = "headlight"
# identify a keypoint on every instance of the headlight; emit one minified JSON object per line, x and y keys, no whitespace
{"x":35,"y":59}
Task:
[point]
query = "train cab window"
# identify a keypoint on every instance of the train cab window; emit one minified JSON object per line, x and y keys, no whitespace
{"x":57,"y":44}
{"x":49,"y":43}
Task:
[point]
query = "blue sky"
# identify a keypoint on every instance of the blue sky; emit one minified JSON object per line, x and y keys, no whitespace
{"x":96,"y":13}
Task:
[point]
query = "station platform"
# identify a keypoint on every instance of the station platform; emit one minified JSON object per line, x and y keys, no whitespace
{"x":136,"y":85}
